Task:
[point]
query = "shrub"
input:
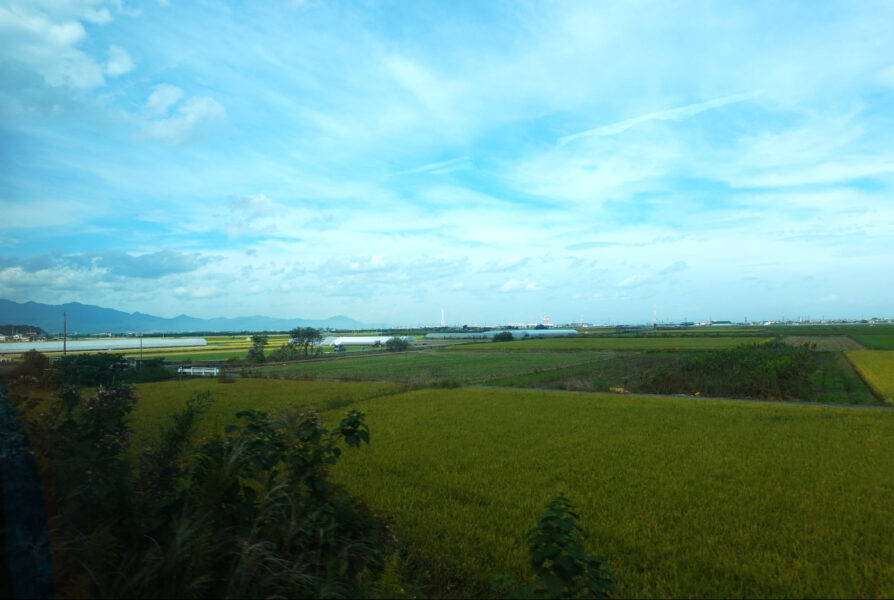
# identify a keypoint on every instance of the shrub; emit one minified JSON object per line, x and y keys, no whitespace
{"x":149,"y":370}
{"x":559,"y":564}
{"x":503,"y":336}
{"x":397,"y":344}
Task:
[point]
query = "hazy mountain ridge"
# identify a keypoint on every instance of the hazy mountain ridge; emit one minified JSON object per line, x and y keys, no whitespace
{"x":87,"y":318}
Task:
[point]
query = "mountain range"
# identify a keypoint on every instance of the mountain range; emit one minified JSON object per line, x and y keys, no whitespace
{"x":86,"y":318}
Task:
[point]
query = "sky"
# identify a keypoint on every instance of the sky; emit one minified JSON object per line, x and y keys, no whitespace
{"x":502,"y":161}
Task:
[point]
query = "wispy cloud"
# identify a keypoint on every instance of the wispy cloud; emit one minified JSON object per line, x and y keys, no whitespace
{"x":672,"y":114}
{"x":440,"y":168}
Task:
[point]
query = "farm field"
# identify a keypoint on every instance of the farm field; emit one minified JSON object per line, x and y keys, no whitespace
{"x":826,"y":376}
{"x":876,"y":341}
{"x":824,"y":342}
{"x":159,"y":400}
{"x":612,"y":343}
{"x":676,"y":332}
{"x":685,"y":497}
{"x":834,"y":382}
{"x":877,"y":368}
{"x":427,"y":367}
{"x":200,"y":354}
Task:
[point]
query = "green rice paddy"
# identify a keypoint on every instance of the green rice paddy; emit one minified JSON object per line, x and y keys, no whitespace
{"x":435,"y":366}
{"x":876,"y":341}
{"x":157,"y":401}
{"x":613,"y":343}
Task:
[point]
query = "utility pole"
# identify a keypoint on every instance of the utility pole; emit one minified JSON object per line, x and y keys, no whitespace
{"x":64,"y":333}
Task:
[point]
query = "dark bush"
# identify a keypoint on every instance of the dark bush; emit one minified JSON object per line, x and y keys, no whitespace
{"x":91,"y":370}
{"x":249,"y":512}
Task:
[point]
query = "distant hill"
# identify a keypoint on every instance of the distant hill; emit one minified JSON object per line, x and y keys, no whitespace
{"x":86,"y":318}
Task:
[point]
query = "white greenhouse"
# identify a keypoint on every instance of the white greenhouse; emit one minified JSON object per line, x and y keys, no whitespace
{"x":102,"y":345}
{"x":365,"y":340}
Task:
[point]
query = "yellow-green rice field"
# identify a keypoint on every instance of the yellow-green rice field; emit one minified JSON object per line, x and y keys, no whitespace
{"x":686,"y":498}
{"x":877,"y":369}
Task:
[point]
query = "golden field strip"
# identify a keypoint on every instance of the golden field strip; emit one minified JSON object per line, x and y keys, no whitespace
{"x":877,"y":369}
{"x":686,"y":497}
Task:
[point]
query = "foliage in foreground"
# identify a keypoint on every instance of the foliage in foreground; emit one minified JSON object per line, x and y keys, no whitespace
{"x":559,"y":563}
{"x":247,"y":513}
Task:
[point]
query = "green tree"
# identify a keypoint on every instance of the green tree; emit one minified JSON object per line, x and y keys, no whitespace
{"x":256,"y":352}
{"x":503,"y":336}
{"x":305,"y":338}
{"x":91,"y":370}
{"x":397,"y":344}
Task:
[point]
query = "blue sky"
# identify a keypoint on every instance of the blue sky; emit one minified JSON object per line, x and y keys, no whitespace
{"x":500,"y":160}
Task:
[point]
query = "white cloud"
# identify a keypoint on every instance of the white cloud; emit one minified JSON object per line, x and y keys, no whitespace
{"x":192,"y":120}
{"x":205,"y":291}
{"x":254,"y":214}
{"x":48,"y":48}
{"x":162,"y":98}
{"x":633,"y":281}
{"x":44,"y":37}
{"x":515,"y":285}
{"x":119,"y":62}
{"x":363,"y":263}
